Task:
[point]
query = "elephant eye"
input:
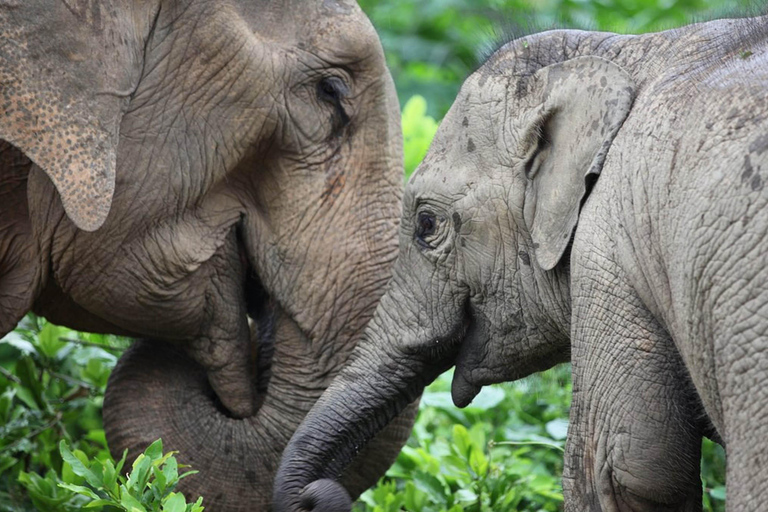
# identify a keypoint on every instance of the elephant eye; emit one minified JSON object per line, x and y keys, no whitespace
{"x":333,"y":90}
{"x":426,"y":225}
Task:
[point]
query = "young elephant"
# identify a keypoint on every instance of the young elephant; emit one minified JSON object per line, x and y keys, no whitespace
{"x":598,"y":196}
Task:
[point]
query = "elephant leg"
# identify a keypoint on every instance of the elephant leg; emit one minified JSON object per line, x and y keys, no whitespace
{"x":634,"y":441}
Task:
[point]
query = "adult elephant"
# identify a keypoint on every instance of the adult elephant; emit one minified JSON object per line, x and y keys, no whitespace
{"x":595,"y":196}
{"x":170,"y":168}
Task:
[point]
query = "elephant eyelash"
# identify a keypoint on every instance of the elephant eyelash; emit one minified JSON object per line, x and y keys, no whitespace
{"x":333,"y":90}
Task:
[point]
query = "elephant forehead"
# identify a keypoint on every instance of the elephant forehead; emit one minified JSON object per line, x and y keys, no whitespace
{"x":338,"y":26}
{"x":465,"y":146}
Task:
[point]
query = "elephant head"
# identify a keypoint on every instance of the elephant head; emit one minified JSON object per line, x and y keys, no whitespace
{"x":221,"y":175}
{"x":481,"y":280}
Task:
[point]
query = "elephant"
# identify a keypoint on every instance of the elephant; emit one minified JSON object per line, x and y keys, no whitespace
{"x":590,"y":197}
{"x":221,"y":180}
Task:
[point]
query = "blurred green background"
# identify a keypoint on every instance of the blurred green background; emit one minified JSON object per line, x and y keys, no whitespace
{"x":502,"y":453}
{"x":432,"y":45}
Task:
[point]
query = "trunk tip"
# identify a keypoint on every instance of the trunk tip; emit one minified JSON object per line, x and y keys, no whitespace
{"x":325,"y":496}
{"x":320,"y":496}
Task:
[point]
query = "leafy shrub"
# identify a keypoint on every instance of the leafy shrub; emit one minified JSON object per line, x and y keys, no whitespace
{"x":148,"y":488}
{"x":52,"y":383}
{"x":502,"y":452}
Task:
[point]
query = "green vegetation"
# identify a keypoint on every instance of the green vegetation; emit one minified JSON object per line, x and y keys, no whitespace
{"x":502,"y":453}
{"x":53,"y":454}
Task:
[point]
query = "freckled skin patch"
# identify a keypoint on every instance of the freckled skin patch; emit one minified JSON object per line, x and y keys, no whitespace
{"x":56,"y":128}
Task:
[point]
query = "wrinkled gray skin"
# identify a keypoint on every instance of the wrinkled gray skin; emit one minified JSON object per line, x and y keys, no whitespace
{"x":661,"y":300}
{"x":169,"y":166}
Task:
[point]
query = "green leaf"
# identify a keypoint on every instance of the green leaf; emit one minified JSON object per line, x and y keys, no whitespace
{"x":79,"y":489}
{"x":121,"y":463}
{"x":461,"y":440}
{"x":6,"y":400}
{"x":718,"y":493}
{"x":101,"y":503}
{"x":128,"y":502}
{"x":7,"y":462}
{"x":155,"y":450}
{"x":170,"y":472}
{"x":17,"y":341}
{"x":478,"y":462}
{"x":432,"y":486}
{"x":48,"y":340}
{"x":160,"y":484}
{"x":466,"y":496}
{"x":196,"y":506}
{"x":174,"y":502}
{"x":109,"y":477}
{"x":78,"y":467}
{"x":30,"y":379}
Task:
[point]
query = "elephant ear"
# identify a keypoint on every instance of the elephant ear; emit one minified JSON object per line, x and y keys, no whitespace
{"x":581,"y":104}
{"x":66,"y":70}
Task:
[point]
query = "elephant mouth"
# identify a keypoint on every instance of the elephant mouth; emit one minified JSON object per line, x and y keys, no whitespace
{"x":261,"y":311}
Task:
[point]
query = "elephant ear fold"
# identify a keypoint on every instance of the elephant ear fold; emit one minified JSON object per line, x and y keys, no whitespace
{"x":580,"y":106}
{"x":63,"y":88}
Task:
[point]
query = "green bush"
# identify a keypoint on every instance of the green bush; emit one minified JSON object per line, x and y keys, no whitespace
{"x":52,"y":383}
{"x":502,"y":452}
{"x":148,"y":488}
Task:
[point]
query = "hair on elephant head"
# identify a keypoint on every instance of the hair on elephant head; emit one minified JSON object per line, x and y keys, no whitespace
{"x":203,"y":173}
{"x":533,"y":192}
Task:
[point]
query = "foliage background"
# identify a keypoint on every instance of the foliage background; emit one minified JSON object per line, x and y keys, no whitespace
{"x":502,"y":453}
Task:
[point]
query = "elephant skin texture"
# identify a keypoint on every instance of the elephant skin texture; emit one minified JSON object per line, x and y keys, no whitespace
{"x":599,"y":198}
{"x":221,"y":179}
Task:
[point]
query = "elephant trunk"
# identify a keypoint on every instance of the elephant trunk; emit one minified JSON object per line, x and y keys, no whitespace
{"x":157,"y":391}
{"x":382,"y":378}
